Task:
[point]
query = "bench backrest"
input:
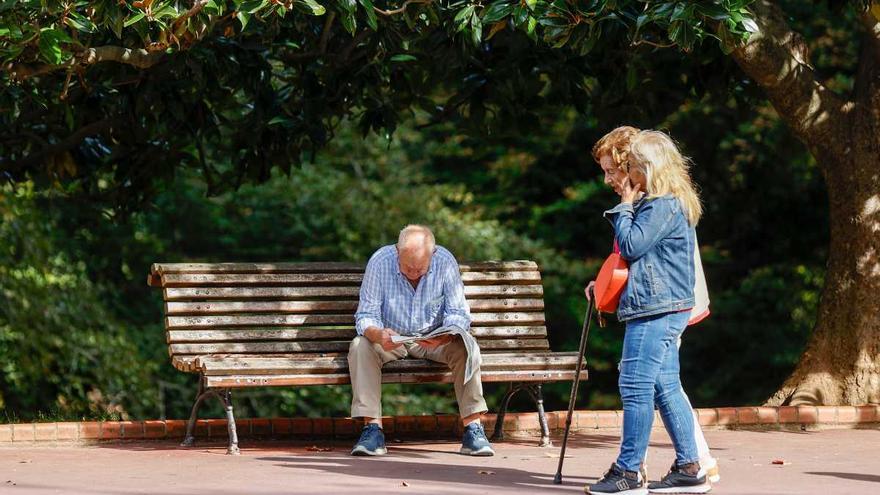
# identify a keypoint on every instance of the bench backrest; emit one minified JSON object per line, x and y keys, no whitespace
{"x":308,"y":308}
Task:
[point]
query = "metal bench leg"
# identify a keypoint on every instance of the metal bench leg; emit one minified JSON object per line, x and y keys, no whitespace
{"x":538,"y":395}
{"x":189,"y":439}
{"x":226,"y":398}
{"x":512,"y":389}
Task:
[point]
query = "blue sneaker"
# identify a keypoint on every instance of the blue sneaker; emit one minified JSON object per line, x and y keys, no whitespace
{"x":372,"y":441}
{"x":475,"y":441}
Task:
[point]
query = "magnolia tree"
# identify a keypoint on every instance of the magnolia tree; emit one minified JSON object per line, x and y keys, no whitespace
{"x":109,"y":98}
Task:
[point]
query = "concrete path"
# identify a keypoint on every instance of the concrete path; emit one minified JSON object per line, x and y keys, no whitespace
{"x":821,"y":462}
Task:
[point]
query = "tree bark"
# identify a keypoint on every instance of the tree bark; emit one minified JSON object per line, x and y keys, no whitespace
{"x":841,"y":363}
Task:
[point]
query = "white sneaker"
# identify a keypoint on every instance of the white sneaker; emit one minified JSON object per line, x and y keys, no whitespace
{"x":709,"y":469}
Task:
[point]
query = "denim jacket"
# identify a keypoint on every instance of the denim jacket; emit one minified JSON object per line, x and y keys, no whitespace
{"x":658,"y":243}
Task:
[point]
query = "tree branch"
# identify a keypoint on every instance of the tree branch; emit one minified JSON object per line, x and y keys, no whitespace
{"x":137,"y":57}
{"x":66,"y":144}
{"x":402,"y":8}
{"x":325,"y":34}
{"x":776,"y":57}
{"x":321,"y":51}
{"x":196,"y":8}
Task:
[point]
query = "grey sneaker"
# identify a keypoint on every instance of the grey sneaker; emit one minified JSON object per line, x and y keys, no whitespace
{"x":618,"y":481}
{"x":372,"y":441}
{"x":475,"y":441}
{"x":678,"y":481}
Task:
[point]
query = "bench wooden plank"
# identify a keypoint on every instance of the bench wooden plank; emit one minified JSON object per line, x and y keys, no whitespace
{"x":287,"y":306}
{"x":328,"y":346}
{"x":270,"y":279}
{"x":224,"y":307}
{"x":337,"y":364}
{"x":222,"y":279}
{"x":269,"y":320}
{"x":327,"y":333}
{"x":318,"y":267}
{"x":246,"y":293}
{"x":236,"y":381}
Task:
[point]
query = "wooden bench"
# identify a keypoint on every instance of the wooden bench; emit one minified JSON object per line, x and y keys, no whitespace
{"x":243,"y":325}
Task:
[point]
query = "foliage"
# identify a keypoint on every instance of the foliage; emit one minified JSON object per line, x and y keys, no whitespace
{"x":120,"y":165}
{"x":63,"y":350}
{"x":108,"y":98}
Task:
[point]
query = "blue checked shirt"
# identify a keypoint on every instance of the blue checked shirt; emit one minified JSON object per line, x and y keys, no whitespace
{"x":388,"y":300}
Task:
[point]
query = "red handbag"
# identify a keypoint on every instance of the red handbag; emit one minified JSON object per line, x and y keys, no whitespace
{"x":610,"y":281}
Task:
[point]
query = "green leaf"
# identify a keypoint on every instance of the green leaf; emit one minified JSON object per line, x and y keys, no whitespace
{"x":531,"y":4}
{"x":476,"y":29}
{"x":50,"y":44}
{"x":212,"y":7}
{"x":278,"y":120}
{"x":497,"y":11}
{"x":116,"y":26}
{"x":310,"y":7}
{"x":80,"y":23}
{"x":349,"y":22}
{"x":402,"y":57}
{"x":243,"y":18}
{"x":133,"y":19}
{"x":253,"y":6}
{"x":530,"y":29}
{"x":371,"y":14}
{"x":728,"y":40}
{"x":167,"y":11}
{"x":521,"y":15}
{"x":463,"y":15}
{"x":348,"y":5}
{"x":750,"y":25}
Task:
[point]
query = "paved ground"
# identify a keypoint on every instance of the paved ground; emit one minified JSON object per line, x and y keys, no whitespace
{"x":826,"y":462}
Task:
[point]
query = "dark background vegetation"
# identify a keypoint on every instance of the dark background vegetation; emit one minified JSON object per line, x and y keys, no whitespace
{"x":81,"y":334}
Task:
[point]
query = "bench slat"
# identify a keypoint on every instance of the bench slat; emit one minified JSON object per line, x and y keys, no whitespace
{"x":263,"y":279}
{"x":195,"y":322}
{"x":328,"y":346}
{"x":327,"y":333}
{"x":235,"y":381}
{"x":338,"y":364}
{"x":225,"y":293}
{"x":318,"y":267}
{"x":226,"y":307}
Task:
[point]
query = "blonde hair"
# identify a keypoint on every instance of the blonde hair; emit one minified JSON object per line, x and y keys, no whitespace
{"x":615,"y":144}
{"x":666,"y":171}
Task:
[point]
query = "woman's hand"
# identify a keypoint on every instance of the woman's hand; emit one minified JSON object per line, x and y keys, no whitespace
{"x":630,"y":193}
{"x":589,"y":290}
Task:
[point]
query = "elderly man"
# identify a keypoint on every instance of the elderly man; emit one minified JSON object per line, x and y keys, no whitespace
{"x":407,"y":288}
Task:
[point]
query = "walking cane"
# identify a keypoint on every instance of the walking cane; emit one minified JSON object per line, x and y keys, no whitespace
{"x":574,"y":386}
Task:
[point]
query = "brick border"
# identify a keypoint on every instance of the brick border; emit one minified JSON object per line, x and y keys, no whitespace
{"x":432,"y":426}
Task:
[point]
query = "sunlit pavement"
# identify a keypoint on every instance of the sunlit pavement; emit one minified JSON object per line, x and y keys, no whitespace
{"x":821,"y":462}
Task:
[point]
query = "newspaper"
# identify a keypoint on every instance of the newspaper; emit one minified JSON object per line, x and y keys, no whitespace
{"x":470,"y":344}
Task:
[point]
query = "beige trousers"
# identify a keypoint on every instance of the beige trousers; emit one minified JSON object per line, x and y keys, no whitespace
{"x":365,"y":360}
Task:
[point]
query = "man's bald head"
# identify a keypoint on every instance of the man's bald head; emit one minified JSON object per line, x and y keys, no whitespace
{"x":415,"y":246}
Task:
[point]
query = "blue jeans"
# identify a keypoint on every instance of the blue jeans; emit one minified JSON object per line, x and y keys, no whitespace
{"x":649,"y":375}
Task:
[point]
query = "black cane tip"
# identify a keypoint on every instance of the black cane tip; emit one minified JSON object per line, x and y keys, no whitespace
{"x":557,"y":480}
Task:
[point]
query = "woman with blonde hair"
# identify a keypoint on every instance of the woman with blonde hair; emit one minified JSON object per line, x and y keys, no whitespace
{"x":654,"y":229}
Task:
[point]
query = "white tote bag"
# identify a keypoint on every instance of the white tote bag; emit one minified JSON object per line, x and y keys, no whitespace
{"x":701,"y":291}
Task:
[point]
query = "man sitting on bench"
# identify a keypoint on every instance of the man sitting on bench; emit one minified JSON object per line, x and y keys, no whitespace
{"x":407,"y":288}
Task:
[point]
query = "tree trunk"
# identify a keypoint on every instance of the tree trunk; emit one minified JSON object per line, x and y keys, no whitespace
{"x":841,"y":363}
